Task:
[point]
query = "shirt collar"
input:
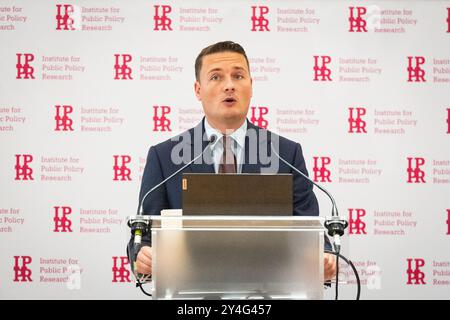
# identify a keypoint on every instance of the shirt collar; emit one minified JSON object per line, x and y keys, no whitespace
{"x":238,"y":135}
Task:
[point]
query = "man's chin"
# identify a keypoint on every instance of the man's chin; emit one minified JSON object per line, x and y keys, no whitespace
{"x":228,"y":120}
{"x":233,"y":118}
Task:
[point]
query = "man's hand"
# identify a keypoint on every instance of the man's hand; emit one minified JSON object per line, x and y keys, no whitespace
{"x":329,"y":265}
{"x":144,"y":260}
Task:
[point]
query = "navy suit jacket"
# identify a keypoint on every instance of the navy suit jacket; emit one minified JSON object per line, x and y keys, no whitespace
{"x":160,"y":165}
{"x":168,"y":196}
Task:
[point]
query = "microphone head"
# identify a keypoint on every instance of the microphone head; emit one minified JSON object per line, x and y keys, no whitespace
{"x":213,"y":139}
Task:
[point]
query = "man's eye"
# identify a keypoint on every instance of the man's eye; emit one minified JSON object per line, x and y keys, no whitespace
{"x":215,"y":77}
{"x":239,"y":76}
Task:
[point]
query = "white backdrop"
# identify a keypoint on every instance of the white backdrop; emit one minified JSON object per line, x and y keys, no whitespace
{"x":86,"y":87}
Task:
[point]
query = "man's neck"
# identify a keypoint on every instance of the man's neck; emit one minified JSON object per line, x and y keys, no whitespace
{"x":226,"y":128}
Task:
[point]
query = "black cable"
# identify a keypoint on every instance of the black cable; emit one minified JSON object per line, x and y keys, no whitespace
{"x":350,"y":263}
{"x":337,"y":277}
{"x":139,"y":284}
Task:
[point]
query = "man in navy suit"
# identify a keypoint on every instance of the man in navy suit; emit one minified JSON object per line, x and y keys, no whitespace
{"x":224,"y":87}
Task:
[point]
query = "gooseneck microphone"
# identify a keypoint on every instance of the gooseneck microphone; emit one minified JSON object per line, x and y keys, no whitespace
{"x":335,"y":224}
{"x":139,"y":224}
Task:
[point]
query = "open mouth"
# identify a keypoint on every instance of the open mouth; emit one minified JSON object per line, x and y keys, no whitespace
{"x":229,"y":100}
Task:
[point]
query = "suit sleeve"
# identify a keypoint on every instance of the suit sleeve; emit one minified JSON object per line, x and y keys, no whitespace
{"x":153,"y":174}
{"x":305,"y":201}
{"x":156,"y":200}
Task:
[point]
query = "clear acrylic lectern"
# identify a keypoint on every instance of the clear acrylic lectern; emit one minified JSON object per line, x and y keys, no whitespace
{"x":237,"y":257}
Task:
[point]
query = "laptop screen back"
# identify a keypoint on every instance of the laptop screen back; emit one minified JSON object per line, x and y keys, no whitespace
{"x":237,"y":194}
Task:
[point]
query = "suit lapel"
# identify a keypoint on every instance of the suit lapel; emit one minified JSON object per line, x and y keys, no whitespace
{"x":250,"y":165}
{"x":204,"y":164}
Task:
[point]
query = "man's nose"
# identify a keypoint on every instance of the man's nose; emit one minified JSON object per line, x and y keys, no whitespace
{"x":229,"y":85}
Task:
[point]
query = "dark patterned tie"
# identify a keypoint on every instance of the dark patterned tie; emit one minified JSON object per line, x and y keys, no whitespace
{"x":228,"y":160}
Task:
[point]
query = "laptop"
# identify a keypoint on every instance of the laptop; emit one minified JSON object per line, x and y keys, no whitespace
{"x":237,"y":194}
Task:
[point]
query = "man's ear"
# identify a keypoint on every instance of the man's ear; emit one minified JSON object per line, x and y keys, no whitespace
{"x":251,"y":82}
{"x":197,"y":90}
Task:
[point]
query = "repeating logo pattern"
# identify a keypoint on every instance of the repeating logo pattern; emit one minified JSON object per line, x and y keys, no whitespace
{"x":78,"y":114}
{"x":161,"y":18}
{"x":23,"y":169}
{"x":24,"y":69}
{"x":61,"y":221}
{"x":415,"y":274}
{"x":21,"y":271}
{"x":259,"y":20}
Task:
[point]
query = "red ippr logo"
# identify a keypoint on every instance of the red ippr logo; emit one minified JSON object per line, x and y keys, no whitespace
{"x":448,"y":20}
{"x":23,"y":170}
{"x":62,"y":223}
{"x":260,"y":21}
{"x":162,"y":21}
{"x":120,"y":272}
{"x":415,"y":276}
{"x":357,"y":23}
{"x":63,"y":17}
{"x":21,"y":272}
{"x":63,"y":121}
{"x":448,"y":120}
{"x":321,"y":173}
{"x":122,"y":70}
{"x":161,"y":122}
{"x":415,"y":72}
{"x":258,"y":119}
{"x":321,"y":72}
{"x":121,"y":171}
{"x":24,"y":69}
{"x":448,"y":221}
{"x":355,"y":121}
{"x":356,"y":224}
{"x":415,"y":174}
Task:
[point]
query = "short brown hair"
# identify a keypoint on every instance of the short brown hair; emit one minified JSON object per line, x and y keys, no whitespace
{"x":224,"y":46}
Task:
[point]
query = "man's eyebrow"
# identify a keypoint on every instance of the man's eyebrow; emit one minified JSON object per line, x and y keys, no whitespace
{"x":240,"y":68}
{"x":219,"y":69}
{"x":214,"y":70}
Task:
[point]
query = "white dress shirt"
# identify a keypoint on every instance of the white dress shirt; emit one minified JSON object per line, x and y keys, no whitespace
{"x":237,"y":146}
